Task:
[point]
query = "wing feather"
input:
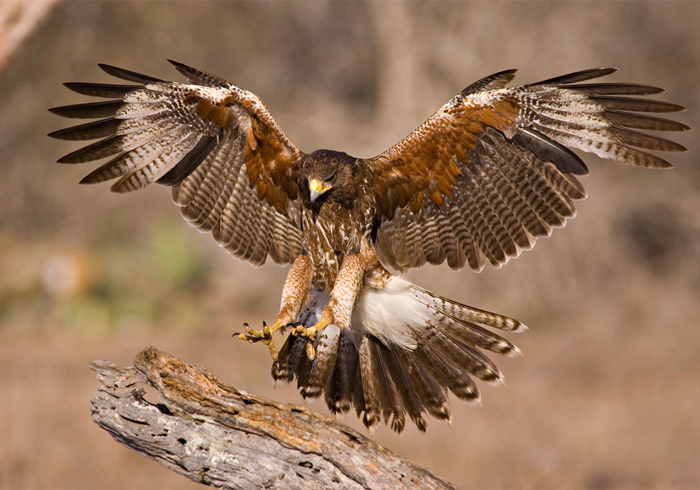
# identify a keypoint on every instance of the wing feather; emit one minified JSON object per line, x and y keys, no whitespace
{"x":520,"y":200}
{"x":130,"y":160}
{"x":232,"y":168}
{"x":127,"y":75}
{"x":481,"y":229}
{"x":617,"y":88}
{"x":431,"y":239}
{"x":496,"y":237}
{"x":105,"y":90}
{"x":501,"y":220}
{"x":509,"y":206}
{"x":90,"y":110}
{"x":635,"y":121}
{"x":464,"y":239}
{"x":494,"y":169}
{"x":175,"y":146}
{"x":635,"y":105}
{"x":578,"y":76}
{"x":477,"y":229}
{"x":89,"y":131}
{"x":210,"y":197}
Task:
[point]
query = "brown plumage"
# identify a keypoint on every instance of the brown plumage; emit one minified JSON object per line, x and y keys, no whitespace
{"x":482,"y":179}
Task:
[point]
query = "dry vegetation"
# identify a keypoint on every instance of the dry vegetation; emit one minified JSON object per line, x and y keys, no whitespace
{"x":608,"y":393}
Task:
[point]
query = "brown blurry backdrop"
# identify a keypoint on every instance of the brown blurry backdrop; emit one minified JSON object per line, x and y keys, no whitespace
{"x":608,"y":393}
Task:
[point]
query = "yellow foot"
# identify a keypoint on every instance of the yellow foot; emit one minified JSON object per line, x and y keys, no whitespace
{"x":310,"y":334}
{"x":264,"y":336}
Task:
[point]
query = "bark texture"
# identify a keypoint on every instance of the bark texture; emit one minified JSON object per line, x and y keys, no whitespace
{"x":214,"y":434}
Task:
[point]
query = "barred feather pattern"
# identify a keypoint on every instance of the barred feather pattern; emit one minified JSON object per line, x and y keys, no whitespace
{"x":217,"y":197}
{"x":492,"y":171}
{"x":479,"y":181}
{"x":405,"y":350}
{"x":230,"y":165}
{"x":502,"y":202}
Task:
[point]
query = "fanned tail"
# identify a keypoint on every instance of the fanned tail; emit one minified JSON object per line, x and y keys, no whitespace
{"x":406,"y":349}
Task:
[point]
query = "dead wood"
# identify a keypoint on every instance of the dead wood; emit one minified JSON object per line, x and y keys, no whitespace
{"x":214,"y":434}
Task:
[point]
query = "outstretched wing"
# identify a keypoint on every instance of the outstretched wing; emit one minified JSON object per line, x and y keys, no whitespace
{"x":490,"y":171}
{"x":232,"y":168}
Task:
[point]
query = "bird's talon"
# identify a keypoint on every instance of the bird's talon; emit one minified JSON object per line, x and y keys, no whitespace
{"x":264,"y":336}
{"x":310,"y":351}
{"x":310,"y":333}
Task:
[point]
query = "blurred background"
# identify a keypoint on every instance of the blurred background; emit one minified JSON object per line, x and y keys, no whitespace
{"x":608,"y":393}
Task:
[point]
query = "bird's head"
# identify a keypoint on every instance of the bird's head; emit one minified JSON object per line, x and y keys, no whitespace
{"x":328,"y":176}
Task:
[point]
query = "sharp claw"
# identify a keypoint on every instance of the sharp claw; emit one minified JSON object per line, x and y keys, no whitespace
{"x":310,"y":351}
{"x":273,"y":350}
{"x":310,"y":334}
{"x":265,"y":336}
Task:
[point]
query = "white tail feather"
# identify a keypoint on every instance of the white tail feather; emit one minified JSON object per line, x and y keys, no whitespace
{"x":394,"y":309}
{"x":405,"y":348}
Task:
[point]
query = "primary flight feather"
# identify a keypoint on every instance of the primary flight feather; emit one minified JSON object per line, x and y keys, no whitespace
{"x":481,"y":180}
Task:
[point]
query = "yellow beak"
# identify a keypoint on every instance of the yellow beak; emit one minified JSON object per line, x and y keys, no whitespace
{"x":317,"y":188}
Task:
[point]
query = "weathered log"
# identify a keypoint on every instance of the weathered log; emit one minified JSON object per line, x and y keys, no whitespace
{"x":214,"y":434}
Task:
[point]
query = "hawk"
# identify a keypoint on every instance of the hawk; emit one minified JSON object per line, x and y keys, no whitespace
{"x":480,"y":180}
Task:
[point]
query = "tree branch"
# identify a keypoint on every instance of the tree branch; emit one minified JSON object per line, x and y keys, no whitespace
{"x":215,"y":434}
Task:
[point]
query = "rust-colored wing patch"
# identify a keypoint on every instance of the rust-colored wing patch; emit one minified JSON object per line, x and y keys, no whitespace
{"x":233,"y":169}
{"x":492,"y":170}
{"x":423,"y":164}
{"x":272,"y":166}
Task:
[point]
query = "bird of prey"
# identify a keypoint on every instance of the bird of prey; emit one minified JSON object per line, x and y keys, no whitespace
{"x":480,"y":180}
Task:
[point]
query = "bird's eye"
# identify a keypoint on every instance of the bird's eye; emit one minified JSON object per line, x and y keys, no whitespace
{"x":332,"y":178}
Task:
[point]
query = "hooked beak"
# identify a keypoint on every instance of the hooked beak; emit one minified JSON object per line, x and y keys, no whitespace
{"x":317,"y":188}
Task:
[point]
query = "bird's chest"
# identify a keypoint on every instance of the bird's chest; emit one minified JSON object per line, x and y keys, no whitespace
{"x":329,"y":236}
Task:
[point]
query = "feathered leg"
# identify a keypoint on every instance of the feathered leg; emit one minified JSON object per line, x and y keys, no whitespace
{"x":295,"y":291}
{"x":405,"y":349}
{"x":347,"y":285}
